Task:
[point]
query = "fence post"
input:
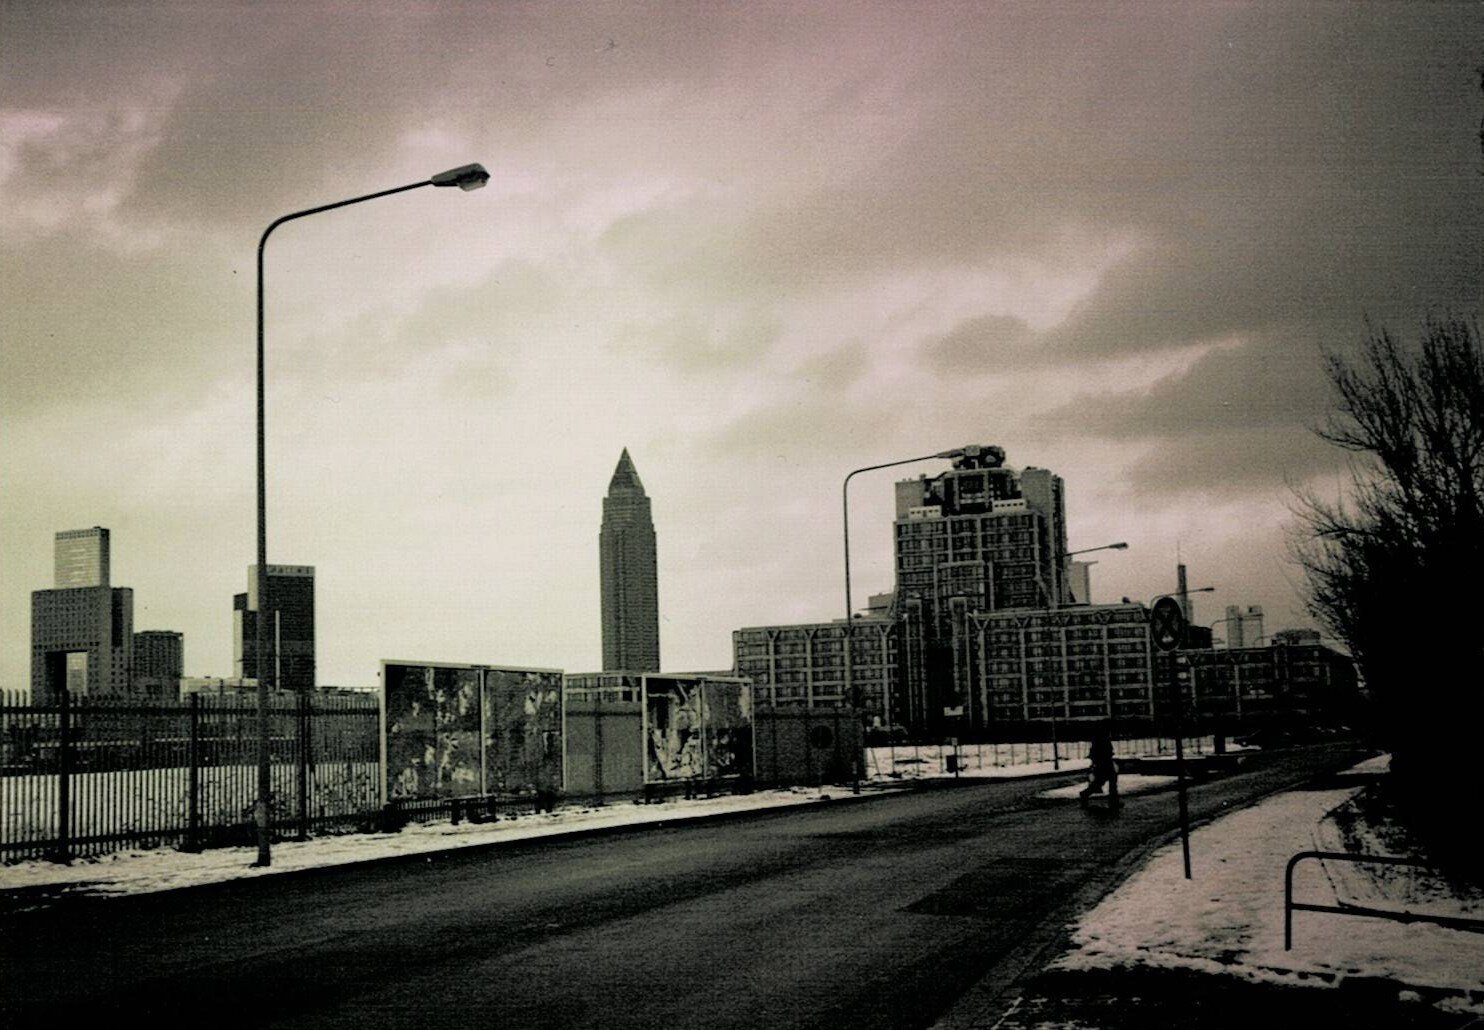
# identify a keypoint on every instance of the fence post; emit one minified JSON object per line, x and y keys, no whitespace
{"x":303,"y":785}
{"x":193,"y":760}
{"x":63,"y":851}
{"x":598,"y":746}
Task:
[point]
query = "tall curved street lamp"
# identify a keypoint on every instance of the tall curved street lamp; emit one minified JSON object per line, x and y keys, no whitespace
{"x":949,"y":455}
{"x":465,"y":177}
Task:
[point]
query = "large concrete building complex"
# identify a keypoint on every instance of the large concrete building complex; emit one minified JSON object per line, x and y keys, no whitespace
{"x":290,"y":632}
{"x":628,"y":575}
{"x":1287,"y":681}
{"x":990,"y":628}
{"x":805,"y":665}
{"x":1076,"y":662}
{"x":82,"y":630}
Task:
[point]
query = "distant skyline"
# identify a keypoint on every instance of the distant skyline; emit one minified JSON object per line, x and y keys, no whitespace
{"x":758,"y":244}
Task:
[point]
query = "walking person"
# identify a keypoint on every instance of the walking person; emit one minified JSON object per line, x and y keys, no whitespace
{"x":1104,"y":768}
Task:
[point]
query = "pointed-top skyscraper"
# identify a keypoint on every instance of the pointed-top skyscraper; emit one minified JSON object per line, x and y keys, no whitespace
{"x":629,"y":579}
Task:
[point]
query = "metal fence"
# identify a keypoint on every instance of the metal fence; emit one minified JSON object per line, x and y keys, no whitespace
{"x":913,"y":759}
{"x":87,"y":775}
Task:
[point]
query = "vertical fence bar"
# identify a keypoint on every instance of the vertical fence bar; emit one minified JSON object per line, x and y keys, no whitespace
{"x":193,"y":762}
{"x":62,"y":851}
{"x":303,"y":784}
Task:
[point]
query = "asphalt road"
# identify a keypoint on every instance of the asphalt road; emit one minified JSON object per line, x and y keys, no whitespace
{"x":869,"y":913}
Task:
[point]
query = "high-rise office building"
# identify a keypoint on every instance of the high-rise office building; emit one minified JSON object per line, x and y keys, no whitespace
{"x":82,"y":630}
{"x":159,"y":662}
{"x":1243,"y":628}
{"x":628,"y":575}
{"x":979,"y":538}
{"x":1079,"y":582}
{"x":80,"y":558}
{"x":290,"y":632}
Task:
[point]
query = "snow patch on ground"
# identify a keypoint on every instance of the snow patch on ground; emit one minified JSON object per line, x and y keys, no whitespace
{"x":1228,"y":917}
{"x":142,"y":871}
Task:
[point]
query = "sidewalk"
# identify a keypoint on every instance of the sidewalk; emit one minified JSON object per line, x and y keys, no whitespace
{"x":1163,"y":950}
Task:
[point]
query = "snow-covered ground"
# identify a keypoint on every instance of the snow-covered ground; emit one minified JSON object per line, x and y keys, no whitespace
{"x":1228,"y":917}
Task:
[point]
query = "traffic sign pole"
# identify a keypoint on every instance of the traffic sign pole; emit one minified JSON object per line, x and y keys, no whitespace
{"x":1180,"y":764}
{"x":1167,"y":631}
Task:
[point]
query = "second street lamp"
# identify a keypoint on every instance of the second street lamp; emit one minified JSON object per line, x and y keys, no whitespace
{"x":465,"y":177}
{"x":1063,"y":571}
{"x":848,"y":639}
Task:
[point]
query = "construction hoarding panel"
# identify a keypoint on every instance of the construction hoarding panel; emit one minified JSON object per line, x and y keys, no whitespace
{"x":726,"y":726}
{"x":431,"y":730}
{"x":523,"y":730}
{"x":672,"y":721}
{"x":810,"y":746}
{"x":696,"y":728}
{"x":604,"y":733}
{"x":459,"y":730}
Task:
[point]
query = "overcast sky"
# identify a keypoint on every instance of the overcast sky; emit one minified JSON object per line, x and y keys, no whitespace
{"x":758,"y":244}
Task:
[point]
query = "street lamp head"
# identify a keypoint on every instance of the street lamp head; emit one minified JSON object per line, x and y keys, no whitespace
{"x":465,"y":177}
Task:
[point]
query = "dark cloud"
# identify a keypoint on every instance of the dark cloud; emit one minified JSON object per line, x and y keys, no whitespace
{"x":1264,"y":463}
{"x":982,"y":346}
{"x":1240,"y":419}
{"x":99,"y":327}
{"x":1274,"y":383}
{"x":1318,"y":184}
{"x":798,"y":427}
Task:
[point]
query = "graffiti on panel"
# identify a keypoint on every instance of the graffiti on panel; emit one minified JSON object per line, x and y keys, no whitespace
{"x":674,"y":748}
{"x":432,"y":731}
{"x":523,"y":730}
{"x":727,"y":722}
{"x":411,"y":751}
{"x":457,"y":692}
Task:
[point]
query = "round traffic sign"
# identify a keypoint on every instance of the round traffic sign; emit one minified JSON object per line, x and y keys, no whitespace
{"x":1167,"y":624}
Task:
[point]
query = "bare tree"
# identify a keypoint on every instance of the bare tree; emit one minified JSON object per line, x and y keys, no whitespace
{"x":1395,"y":569}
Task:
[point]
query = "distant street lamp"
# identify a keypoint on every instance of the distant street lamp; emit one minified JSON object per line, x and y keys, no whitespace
{"x":949,"y":455}
{"x":1062,"y":563}
{"x":465,"y":177}
{"x":1181,"y":595}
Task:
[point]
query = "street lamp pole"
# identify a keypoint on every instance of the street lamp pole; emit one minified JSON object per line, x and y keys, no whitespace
{"x":465,"y":177}
{"x":1062,"y":572}
{"x":1061,"y":565}
{"x":848,"y":641}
